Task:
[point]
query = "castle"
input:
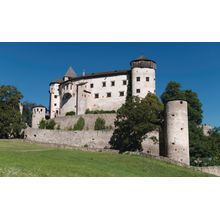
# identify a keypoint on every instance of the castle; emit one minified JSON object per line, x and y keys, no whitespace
{"x":101,"y":91}
{"x":107,"y":91}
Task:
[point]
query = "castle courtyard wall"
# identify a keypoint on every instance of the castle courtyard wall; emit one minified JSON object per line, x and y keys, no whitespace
{"x":67,"y":122}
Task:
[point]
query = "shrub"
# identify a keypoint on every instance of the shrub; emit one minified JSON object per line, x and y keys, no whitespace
{"x":42,"y":124}
{"x":50,"y":125}
{"x":70,"y":113}
{"x":99,"y":111}
{"x":99,"y":124}
{"x":79,"y":124}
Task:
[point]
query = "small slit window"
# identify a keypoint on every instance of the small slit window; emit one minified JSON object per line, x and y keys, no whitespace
{"x":112,"y":83}
{"x":124,"y":82}
{"x":138,"y":79}
{"x":138,"y":90}
{"x":103,"y":84}
{"x":147,"y":79}
{"x":109,"y":94}
{"x":91,"y":85}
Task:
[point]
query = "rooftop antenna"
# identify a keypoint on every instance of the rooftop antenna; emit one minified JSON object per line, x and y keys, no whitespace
{"x":84,"y":72}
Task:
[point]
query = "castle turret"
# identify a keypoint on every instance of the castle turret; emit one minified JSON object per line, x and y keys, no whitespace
{"x":38,"y":113}
{"x":70,"y":74}
{"x":143,"y":76}
{"x":55,"y":98}
{"x":177,"y":131}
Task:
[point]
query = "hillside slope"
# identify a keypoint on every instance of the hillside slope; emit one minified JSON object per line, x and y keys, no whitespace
{"x":24,"y":159}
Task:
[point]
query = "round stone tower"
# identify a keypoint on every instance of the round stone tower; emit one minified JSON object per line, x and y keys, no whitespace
{"x":177,"y":131}
{"x":38,"y":113}
{"x":54,"y":98}
{"x":143,"y":76}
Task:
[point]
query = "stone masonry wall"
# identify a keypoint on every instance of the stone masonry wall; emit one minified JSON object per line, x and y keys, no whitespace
{"x":92,"y":139}
{"x":215,"y":170}
{"x":67,"y":122}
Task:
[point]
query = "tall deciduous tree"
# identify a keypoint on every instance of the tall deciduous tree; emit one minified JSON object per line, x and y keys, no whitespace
{"x":11,"y":121}
{"x":134,"y":120}
{"x":174,"y":91}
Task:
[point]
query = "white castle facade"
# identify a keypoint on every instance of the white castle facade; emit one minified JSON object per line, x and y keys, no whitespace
{"x":101,"y":91}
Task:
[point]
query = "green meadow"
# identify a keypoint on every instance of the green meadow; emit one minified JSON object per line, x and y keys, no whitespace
{"x":21,"y":159}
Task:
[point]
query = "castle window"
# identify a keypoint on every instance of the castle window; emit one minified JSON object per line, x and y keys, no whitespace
{"x":55,"y":104}
{"x":109,"y":94}
{"x":103,"y":84}
{"x":138,"y":90}
{"x":121,"y":93}
{"x":112,"y":83}
{"x":138,"y":79}
{"x":55,"y":96}
{"x":147,"y":79}
{"x":124,"y":82}
{"x":91,"y":85}
{"x":96,"y":96}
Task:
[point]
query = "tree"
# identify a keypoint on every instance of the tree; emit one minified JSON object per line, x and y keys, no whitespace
{"x":134,"y":120}
{"x":173,"y":91}
{"x":11,"y":122}
{"x":200,"y":153}
{"x":9,"y":95}
{"x":195,"y":111}
{"x":214,"y":144}
{"x":27,"y":112}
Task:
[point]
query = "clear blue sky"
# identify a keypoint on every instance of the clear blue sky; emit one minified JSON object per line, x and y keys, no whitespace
{"x":31,"y":66}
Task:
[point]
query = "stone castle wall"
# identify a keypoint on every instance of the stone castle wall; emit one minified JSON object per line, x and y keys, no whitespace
{"x":91,"y":139}
{"x":67,"y":122}
{"x":215,"y":170}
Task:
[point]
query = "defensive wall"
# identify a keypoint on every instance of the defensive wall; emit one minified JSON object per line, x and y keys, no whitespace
{"x":215,"y":170}
{"x":91,"y":139}
{"x":175,"y":133}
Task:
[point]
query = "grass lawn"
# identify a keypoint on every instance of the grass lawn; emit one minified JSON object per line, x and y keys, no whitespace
{"x":24,"y":159}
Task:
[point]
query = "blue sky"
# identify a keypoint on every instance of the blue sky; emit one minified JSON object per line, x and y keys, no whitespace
{"x":31,"y":66}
